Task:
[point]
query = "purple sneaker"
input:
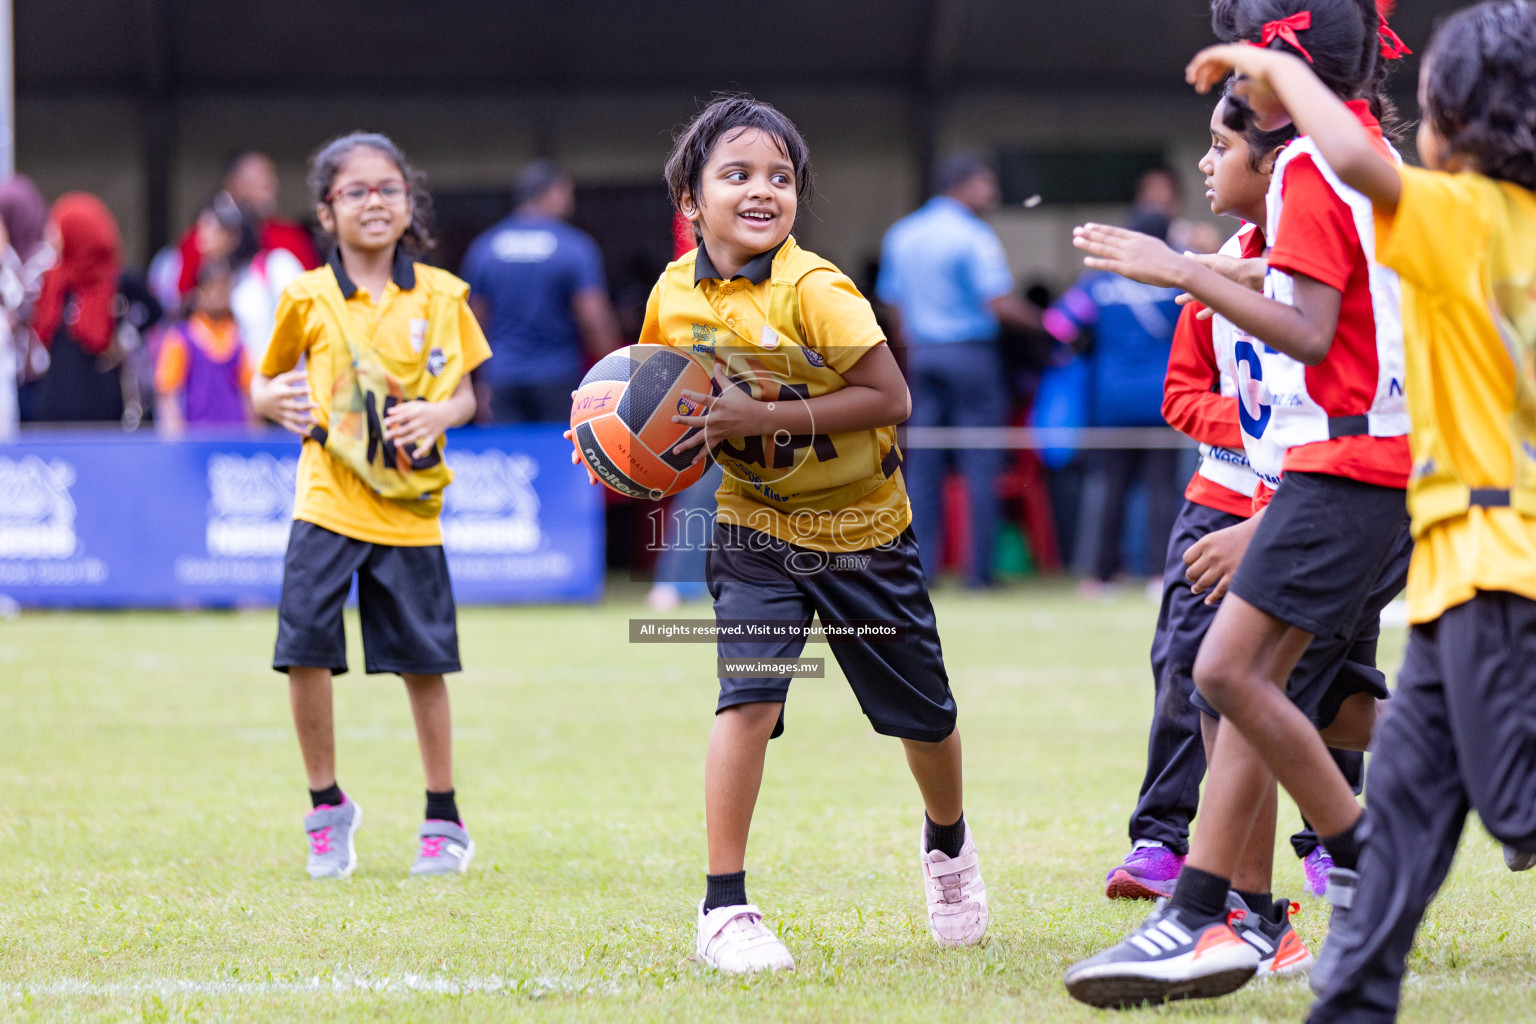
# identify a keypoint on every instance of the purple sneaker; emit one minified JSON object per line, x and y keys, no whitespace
{"x":1317,"y":864}
{"x":1147,"y":873}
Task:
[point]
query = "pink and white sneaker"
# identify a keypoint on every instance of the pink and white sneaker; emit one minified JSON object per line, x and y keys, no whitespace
{"x":446,"y":849}
{"x":330,"y":830}
{"x":957,"y":897}
{"x":733,"y":940}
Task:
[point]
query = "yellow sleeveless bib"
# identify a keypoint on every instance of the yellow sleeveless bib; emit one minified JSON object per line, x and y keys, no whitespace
{"x":1436,"y":491}
{"x":367,"y":383}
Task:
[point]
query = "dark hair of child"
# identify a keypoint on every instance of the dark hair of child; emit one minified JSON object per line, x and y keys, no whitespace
{"x":1480,"y":88}
{"x":1343,"y":43}
{"x":1260,"y":142}
{"x":236,"y":157}
{"x":730,"y":115}
{"x":326,"y":163}
{"x":232,"y":218}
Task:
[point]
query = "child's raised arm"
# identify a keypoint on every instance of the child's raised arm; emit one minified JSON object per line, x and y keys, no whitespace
{"x":1275,"y":85}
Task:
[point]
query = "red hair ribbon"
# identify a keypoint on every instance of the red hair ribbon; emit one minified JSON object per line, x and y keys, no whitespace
{"x":1285,"y":29}
{"x":1392,"y":45}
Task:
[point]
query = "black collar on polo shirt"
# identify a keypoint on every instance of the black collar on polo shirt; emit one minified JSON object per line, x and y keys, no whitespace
{"x":756,"y":269}
{"x":403,"y":273}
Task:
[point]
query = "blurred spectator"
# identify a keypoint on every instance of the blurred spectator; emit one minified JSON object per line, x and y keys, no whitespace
{"x":250,"y":179}
{"x":1125,"y":330}
{"x":88,"y":316}
{"x":203,"y":374}
{"x":24,"y":256}
{"x":229,"y":232}
{"x":1158,"y":191}
{"x":537,"y":286}
{"x":945,"y":282}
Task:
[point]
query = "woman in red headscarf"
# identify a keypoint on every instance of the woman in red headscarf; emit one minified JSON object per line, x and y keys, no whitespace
{"x":74,"y":317}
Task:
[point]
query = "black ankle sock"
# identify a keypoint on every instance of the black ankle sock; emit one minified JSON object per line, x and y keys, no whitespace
{"x":441,"y":807}
{"x":947,"y":839}
{"x":1344,"y":848}
{"x":725,"y":890}
{"x":331,"y":797}
{"x":1201,"y":893}
{"x":1261,"y":903}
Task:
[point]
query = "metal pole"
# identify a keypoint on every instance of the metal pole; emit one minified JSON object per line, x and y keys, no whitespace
{"x":7,"y":93}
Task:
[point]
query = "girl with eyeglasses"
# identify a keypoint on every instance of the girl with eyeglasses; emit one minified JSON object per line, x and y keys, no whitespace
{"x":388,"y":345}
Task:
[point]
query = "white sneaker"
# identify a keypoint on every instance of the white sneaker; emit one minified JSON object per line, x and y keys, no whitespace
{"x":733,"y":940}
{"x":957,"y":897}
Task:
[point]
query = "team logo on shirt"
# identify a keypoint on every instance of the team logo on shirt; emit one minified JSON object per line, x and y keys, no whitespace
{"x":437,"y":362}
{"x":703,"y":339}
{"x":813,"y":357}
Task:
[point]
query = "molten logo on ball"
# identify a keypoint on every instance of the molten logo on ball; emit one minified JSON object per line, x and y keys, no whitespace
{"x":621,"y":420}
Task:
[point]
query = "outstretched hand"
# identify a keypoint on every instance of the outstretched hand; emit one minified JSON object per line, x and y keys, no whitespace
{"x":1128,"y":253}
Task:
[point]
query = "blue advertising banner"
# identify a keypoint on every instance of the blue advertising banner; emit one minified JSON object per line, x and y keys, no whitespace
{"x":113,"y":520}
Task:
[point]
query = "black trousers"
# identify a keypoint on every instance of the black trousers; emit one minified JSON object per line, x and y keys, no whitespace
{"x":1158,"y":469}
{"x":1170,"y":790}
{"x":548,"y":402}
{"x":1459,"y":735}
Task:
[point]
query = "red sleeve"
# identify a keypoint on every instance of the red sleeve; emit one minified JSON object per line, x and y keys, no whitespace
{"x":191,"y":258}
{"x":1316,"y":235}
{"x":282,"y":234}
{"x":1192,"y":401}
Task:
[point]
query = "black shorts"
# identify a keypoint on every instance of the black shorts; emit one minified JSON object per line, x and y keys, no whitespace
{"x":405,"y":605}
{"x":1328,"y":556}
{"x":900,"y":685}
{"x":1320,"y":551}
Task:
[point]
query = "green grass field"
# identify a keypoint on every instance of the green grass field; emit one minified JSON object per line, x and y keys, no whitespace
{"x":153,"y":856}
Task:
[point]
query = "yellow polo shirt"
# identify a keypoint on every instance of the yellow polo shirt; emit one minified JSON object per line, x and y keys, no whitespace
{"x":692,"y":309}
{"x":1465,"y":248}
{"x":327,"y":493}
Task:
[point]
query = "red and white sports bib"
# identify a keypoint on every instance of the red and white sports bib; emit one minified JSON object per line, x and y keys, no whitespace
{"x":1346,"y":416}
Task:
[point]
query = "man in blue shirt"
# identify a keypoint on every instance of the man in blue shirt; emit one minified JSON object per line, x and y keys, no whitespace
{"x":946,"y":286}
{"x":537,"y":286}
{"x":1131,"y":330}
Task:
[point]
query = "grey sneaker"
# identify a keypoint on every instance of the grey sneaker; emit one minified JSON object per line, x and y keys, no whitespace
{"x":446,"y":849}
{"x":1518,"y":860}
{"x":330,"y":829}
{"x":1341,"y":893}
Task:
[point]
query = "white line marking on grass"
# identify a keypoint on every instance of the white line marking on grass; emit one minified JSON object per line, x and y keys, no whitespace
{"x":336,"y":985}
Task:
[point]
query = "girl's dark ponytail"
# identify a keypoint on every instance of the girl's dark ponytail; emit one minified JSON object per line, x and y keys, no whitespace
{"x":1375,"y":67}
{"x":1342,"y":43}
{"x":324,"y":165}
